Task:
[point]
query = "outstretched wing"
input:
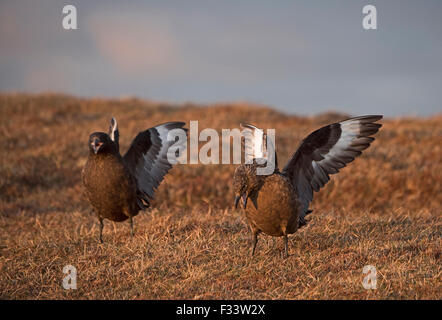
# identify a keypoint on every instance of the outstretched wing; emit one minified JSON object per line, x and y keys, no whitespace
{"x":324,"y":152}
{"x":257,"y":146}
{"x":114,"y":134}
{"x":147,"y":158}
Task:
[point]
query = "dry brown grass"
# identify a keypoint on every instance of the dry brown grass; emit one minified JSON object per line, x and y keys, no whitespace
{"x":384,"y":210}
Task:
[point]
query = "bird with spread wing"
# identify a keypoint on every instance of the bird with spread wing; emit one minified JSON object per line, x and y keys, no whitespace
{"x":281,"y":199}
{"x":118,"y":187}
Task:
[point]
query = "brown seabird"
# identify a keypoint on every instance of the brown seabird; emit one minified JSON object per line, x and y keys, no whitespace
{"x":118,"y":187}
{"x":281,"y":199}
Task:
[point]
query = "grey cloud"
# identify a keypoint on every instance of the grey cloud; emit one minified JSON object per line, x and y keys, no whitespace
{"x":298,"y":56}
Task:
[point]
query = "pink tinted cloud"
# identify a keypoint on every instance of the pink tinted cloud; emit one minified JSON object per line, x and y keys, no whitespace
{"x":134,"y":44}
{"x":47,"y":78}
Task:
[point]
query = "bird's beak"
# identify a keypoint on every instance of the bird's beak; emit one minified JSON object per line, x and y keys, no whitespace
{"x":244,"y":200}
{"x":237,"y":201}
{"x":96,"y":145}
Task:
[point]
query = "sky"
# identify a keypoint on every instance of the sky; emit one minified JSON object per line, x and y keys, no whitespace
{"x":300,"y":57}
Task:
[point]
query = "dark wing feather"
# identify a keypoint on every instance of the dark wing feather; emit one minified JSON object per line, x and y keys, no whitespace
{"x":324,"y":152}
{"x":147,"y":160}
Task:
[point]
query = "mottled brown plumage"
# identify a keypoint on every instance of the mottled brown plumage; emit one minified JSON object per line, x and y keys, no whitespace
{"x":119,"y":187}
{"x":273,"y":210}
{"x":280,"y":200}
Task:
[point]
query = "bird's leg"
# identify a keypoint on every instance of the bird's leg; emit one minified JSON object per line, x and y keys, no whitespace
{"x":286,"y":246}
{"x":101,"y":229}
{"x":131,"y":221}
{"x":254,"y":240}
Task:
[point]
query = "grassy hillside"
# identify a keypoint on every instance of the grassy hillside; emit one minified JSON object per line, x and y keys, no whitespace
{"x":384,"y":209}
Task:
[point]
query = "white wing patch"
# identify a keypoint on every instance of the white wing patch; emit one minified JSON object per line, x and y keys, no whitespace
{"x":155,"y":164}
{"x":113,"y":129}
{"x":256,"y":144}
{"x":325,"y":151}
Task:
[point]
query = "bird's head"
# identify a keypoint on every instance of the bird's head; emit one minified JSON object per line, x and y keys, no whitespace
{"x":100,"y":142}
{"x":240,"y":185}
{"x":246,"y":183}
